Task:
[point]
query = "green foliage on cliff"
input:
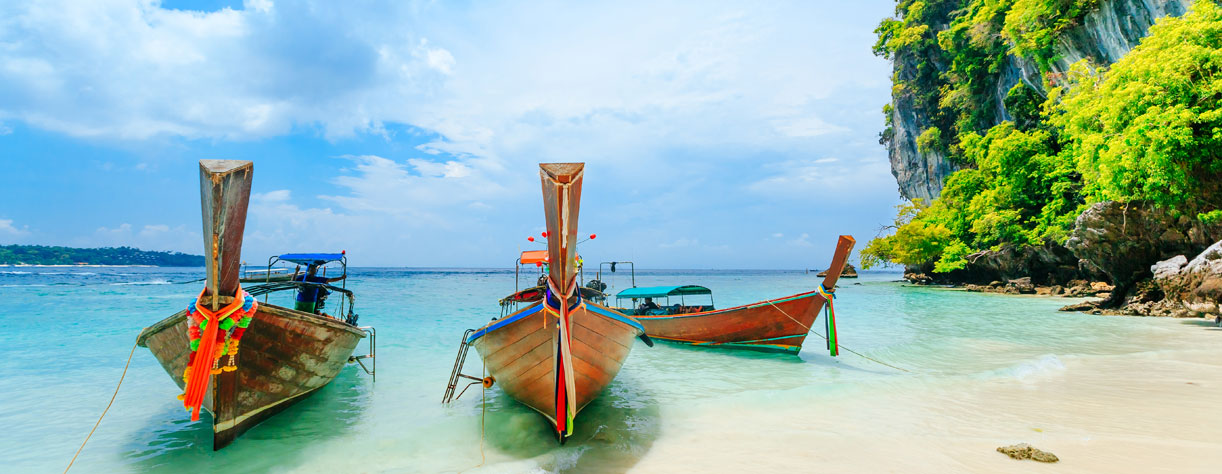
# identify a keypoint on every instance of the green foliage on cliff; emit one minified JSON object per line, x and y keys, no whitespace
{"x":949,"y":55}
{"x":44,"y":255}
{"x":1148,"y":128}
{"x":1022,"y":191}
{"x":1033,"y":26}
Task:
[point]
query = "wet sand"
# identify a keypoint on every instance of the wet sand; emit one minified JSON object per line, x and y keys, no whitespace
{"x":1155,"y":411}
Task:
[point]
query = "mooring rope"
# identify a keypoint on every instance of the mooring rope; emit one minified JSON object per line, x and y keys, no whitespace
{"x":842,"y":346}
{"x":112,"y":401}
{"x":483,"y":401}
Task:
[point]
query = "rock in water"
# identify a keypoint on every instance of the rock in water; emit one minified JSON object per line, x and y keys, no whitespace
{"x":848,"y":272}
{"x":1025,"y":451}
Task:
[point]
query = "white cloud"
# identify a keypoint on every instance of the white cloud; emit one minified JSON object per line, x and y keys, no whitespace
{"x":5,"y":130}
{"x":538,"y":81}
{"x":149,"y":237}
{"x":825,"y":177}
{"x":691,"y":115}
{"x":437,"y":58}
{"x":8,"y":229}
{"x":262,"y":6}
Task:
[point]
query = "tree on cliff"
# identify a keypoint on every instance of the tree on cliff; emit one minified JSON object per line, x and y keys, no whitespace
{"x":1148,"y":128}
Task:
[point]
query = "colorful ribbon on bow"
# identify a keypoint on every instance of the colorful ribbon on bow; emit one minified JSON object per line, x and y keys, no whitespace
{"x":833,"y":346}
{"x":213,"y":334}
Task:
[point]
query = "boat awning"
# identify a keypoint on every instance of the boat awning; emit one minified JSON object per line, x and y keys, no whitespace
{"x":311,"y":258}
{"x":662,"y":291}
{"x":535,"y":256}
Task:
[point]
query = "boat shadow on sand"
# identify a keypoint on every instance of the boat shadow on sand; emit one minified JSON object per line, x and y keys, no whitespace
{"x":329,"y":413}
{"x":613,"y":432}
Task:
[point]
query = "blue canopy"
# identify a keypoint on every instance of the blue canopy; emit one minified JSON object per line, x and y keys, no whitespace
{"x":311,"y":258}
{"x":663,"y":291}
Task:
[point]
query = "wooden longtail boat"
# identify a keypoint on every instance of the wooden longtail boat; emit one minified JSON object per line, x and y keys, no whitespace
{"x":558,"y":354}
{"x":285,"y":354}
{"x":778,"y":325}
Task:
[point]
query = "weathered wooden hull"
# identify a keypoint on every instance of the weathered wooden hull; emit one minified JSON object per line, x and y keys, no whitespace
{"x":285,"y":356}
{"x":520,"y":352}
{"x":779,"y":325}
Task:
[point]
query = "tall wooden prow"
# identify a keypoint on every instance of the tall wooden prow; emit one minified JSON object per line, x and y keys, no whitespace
{"x":224,"y":191}
{"x":561,"y":203}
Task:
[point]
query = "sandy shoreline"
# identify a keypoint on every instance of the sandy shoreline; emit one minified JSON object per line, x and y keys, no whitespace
{"x":1149,"y":412}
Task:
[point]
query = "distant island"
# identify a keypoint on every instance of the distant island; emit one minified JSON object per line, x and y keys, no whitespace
{"x":47,"y":255}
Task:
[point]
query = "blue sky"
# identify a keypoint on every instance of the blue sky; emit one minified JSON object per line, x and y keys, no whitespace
{"x":716,"y":134}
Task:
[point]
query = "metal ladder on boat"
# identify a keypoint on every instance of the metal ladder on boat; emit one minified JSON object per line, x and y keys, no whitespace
{"x":372,"y":369}
{"x":456,"y":374}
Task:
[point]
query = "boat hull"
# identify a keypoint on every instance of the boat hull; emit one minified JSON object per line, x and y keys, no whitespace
{"x":520,"y":352}
{"x":285,"y":356}
{"x":779,"y":325}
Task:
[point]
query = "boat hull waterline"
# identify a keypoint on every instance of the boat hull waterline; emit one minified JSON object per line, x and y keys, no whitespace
{"x":778,"y":325}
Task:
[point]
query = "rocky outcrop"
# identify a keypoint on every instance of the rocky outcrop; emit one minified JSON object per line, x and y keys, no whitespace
{"x":919,"y":175}
{"x":1194,"y":285}
{"x":848,"y":272}
{"x":1046,"y":265}
{"x":1104,"y":36}
{"x":1123,"y":239}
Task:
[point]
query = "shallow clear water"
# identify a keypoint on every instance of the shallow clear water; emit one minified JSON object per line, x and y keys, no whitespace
{"x":68,"y":332}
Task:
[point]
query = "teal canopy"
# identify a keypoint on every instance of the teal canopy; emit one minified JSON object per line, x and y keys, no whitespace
{"x":663,"y":291}
{"x":312,"y":258}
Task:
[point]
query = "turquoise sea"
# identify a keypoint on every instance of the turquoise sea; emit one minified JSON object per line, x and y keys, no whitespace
{"x":983,"y":370}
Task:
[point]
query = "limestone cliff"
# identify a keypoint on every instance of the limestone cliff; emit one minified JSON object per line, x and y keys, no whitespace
{"x":1103,"y":36}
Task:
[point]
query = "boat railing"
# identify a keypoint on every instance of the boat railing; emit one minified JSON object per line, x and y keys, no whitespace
{"x":372,"y":369}
{"x":456,"y":374}
{"x":347,"y":302}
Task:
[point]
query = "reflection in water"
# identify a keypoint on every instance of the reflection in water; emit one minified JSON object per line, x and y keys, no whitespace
{"x":329,"y":413}
{"x":611,"y":434}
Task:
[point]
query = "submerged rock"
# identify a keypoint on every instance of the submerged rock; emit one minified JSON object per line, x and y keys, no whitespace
{"x":1025,"y":451}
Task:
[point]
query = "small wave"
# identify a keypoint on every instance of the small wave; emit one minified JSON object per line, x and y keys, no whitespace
{"x":15,"y":273}
{"x":1046,"y":364}
{"x":153,"y":282}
